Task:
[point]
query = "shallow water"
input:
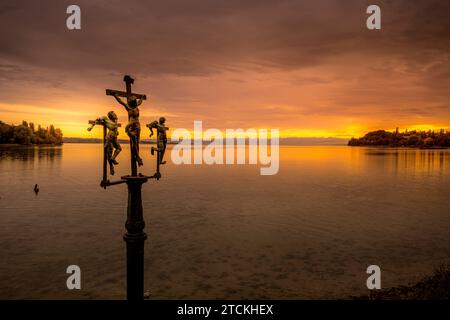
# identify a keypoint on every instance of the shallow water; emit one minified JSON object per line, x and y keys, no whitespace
{"x":225,"y":231}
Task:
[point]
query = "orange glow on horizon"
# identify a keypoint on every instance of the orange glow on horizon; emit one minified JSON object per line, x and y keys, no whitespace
{"x":74,"y":124}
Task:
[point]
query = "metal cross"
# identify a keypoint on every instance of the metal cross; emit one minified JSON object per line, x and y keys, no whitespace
{"x":134,"y":142}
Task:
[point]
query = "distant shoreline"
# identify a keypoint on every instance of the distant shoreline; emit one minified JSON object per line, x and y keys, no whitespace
{"x":125,"y":142}
{"x":283,"y":141}
{"x":407,"y":139}
{"x":400,"y":147}
{"x":32,"y":145}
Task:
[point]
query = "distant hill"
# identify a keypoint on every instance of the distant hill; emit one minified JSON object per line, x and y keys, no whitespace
{"x":418,"y":139}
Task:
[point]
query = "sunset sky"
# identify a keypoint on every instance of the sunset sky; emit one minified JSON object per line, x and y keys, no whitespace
{"x":309,"y":68}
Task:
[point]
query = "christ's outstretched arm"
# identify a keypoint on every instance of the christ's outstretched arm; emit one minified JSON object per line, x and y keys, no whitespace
{"x":139,"y":102}
{"x":121,"y":102}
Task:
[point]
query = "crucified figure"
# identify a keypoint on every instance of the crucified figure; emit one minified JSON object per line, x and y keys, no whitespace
{"x":161,"y":137}
{"x":111,"y":142}
{"x":133,"y":128}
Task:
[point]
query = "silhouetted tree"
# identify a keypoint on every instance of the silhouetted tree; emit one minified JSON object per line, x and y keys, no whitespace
{"x":413,"y":138}
{"x":26,"y":134}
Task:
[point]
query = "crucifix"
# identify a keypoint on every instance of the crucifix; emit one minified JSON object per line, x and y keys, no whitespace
{"x":133,"y":128}
{"x":135,"y":235}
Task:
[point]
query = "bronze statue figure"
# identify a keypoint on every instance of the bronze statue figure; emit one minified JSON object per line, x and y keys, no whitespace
{"x":111,"y":142}
{"x":161,"y":137}
{"x":133,"y":128}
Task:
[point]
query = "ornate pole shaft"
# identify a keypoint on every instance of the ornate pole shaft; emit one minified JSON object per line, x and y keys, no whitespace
{"x":133,"y":159}
{"x":135,"y":237}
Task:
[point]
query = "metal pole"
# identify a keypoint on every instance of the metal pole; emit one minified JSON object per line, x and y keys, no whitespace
{"x":135,"y":237}
{"x":105,"y":173}
{"x":133,"y":159}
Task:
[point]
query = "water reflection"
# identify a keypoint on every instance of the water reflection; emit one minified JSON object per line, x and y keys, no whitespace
{"x":396,"y":159}
{"x":412,"y":160}
{"x":316,"y":224}
{"x":30,"y":153}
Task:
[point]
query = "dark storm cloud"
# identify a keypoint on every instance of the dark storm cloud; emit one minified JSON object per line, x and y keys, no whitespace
{"x":305,"y":64}
{"x":202,"y":37}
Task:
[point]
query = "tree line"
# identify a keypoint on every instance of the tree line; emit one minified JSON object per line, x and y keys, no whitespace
{"x":422,"y":139}
{"x":27,"y":133}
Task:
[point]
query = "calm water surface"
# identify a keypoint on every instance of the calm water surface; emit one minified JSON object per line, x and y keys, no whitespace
{"x":225,"y":231}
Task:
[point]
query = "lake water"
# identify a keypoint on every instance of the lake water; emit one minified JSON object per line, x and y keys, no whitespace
{"x":225,"y":231}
